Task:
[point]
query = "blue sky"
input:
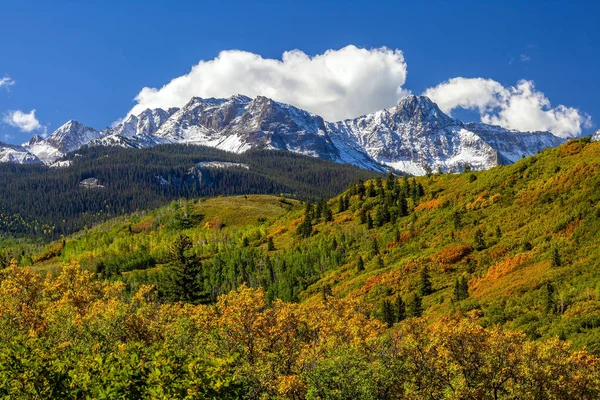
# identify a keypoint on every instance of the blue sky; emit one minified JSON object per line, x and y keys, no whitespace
{"x":88,"y":60}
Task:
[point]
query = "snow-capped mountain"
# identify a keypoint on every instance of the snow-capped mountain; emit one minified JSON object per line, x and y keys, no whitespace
{"x":596,"y":136}
{"x":69,"y":137}
{"x":411,"y":137}
{"x":16,"y":155}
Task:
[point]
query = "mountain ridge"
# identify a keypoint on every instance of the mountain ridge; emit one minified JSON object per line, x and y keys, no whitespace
{"x":412,"y":137}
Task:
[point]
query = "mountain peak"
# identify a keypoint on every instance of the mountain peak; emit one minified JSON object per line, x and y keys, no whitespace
{"x":414,"y":102}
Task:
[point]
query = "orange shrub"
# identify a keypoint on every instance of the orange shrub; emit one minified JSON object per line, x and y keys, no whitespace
{"x":429,"y":205}
{"x":452,"y":254}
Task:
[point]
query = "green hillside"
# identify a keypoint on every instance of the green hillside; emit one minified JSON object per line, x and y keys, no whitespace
{"x":444,"y":286}
{"x":523,"y":238}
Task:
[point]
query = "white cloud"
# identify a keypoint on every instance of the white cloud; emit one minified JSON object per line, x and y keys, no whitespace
{"x":519,"y":107}
{"x":525,"y":58}
{"x":337,"y":84}
{"x":6,"y":82}
{"x":26,"y":122}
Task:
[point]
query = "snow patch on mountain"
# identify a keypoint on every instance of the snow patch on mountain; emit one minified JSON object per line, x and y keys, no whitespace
{"x":596,"y":136}
{"x":16,"y":155}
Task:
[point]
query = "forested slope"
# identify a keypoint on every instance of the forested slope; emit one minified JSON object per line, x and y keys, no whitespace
{"x":424,"y":280}
{"x":38,"y":201}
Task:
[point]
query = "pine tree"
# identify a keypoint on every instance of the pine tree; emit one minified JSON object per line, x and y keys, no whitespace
{"x":327,"y":214}
{"x":362,"y":216}
{"x":556,"y":261}
{"x":245,"y":242}
{"x":400,"y":309}
{"x":360,"y":265}
{"x":425,"y":287}
{"x":341,"y":207}
{"x":415,"y":306}
{"x":270,"y":244}
{"x":371,"y":192}
{"x":387,"y":313}
{"x":457,"y":219}
{"x":374,"y":247}
{"x":403,"y":206}
{"x":369,"y":221}
{"x":549,"y":300}
{"x":380,"y":263}
{"x":396,"y":235}
{"x":390,"y":181}
{"x":461,"y":288}
{"x":326,"y":292}
{"x":184,"y":274}
{"x":478,"y":240}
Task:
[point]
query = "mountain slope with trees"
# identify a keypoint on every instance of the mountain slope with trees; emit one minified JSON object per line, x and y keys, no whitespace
{"x":407,"y":282}
{"x":50,"y":202}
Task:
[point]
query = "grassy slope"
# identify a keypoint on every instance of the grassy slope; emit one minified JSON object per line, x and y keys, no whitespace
{"x":549,"y":201}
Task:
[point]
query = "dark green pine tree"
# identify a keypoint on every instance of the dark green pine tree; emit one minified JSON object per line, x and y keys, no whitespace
{"x":183,"y":275}
{"x":379,"y":217}
{"x":400,"y":309}
{"x":478,"y":240}
{"x":326,"y":292}
{"x":461,"y":289}
{"x":305,"y":228}
{"x":415,"y":306}
{"x":396,"y":235}
{"x":270,"y":244}
{"x":498,"y":232}
{"x":387,"y":313}
{"x":556,"y":260}
{"x":341,"y":204}
{"x":390,"y":181}
{"x":374,"y":247}
{"x":360,"y":265}
{"x":403,"y":206}
{"x":327,"y":214}
{"x":362,"y":216}
{"x":425,"y":287}
{"x":369,"y":221}
{"x":457,"y":219}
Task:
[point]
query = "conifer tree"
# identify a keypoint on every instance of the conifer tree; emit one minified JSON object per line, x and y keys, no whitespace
{"x":549,"y":300}
{"x":184,"y":274}
{"x":400,"y":309}
{"x":425,"y":287}
{"x":327,"y":214}
{"x":556,"y":260}
{"x":360,"y":265}
{"x":403,"y":206}
{"x":362,"y":216}
{"x":387,"y":313}
{"x":390,"y":181}
{"x":369,"y":221}
{"x":341,"y":207}
{"x":415,"y":306}
{"x":478,"y":240}
{"x":374,"y":247}
{"x":457,"y":219}
{"x":270,"y":244}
